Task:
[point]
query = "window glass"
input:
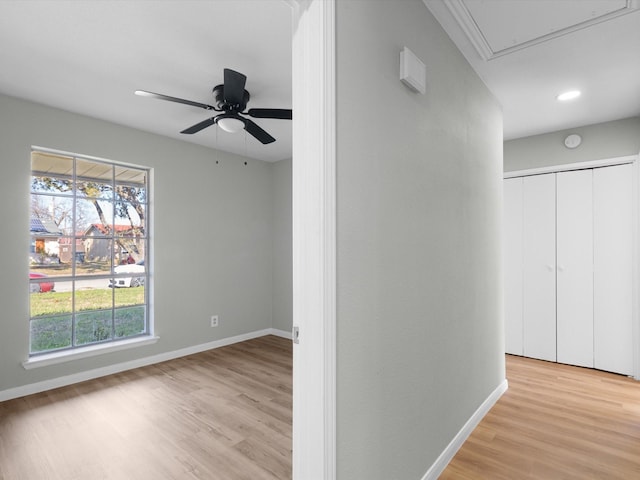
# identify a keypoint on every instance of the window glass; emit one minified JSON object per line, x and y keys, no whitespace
{"x":88,"y":281}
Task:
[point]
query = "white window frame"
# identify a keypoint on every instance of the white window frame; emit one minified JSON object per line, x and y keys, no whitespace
{"x":146,"y":337}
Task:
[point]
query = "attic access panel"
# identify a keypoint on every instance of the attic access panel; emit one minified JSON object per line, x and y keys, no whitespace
{"x":498,"y":27}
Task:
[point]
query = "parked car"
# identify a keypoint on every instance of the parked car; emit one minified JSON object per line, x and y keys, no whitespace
{"x":132,"y":281}
{"x":40,"y":287}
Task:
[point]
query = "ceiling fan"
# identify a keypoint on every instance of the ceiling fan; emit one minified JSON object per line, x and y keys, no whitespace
{"x":230,"y":99}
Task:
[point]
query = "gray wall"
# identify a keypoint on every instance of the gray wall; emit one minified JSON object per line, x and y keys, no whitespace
{"x":419,"y":190}
{"x":603,"y":140}
{"x":212,"y":231}
{"x":282,"y":247}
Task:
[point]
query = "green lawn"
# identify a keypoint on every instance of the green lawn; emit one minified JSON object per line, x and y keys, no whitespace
{"x":52,"y":323}
{"x":52,"y":303}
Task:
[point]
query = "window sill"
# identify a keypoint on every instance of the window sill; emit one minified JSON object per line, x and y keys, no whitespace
{"x":84,"y":352}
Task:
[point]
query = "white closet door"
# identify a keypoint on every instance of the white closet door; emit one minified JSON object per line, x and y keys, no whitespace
{"x":512,"y":261}
{"x":539,"y":279}
{"x":613,"y":236}
{"x":574,"y":261}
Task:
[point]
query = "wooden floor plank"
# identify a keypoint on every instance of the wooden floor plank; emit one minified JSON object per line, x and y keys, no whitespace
{"x":555,"y":422}
{"x":221,"y":414}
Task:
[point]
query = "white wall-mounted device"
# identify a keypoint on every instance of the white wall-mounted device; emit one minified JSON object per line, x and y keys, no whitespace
{"x":413,"y":72}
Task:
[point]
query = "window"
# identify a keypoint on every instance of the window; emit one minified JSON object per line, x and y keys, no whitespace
{"x":89,"y":242}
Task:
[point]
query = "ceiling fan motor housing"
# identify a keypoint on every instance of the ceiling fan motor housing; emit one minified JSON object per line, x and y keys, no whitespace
{"x":218,"y":96}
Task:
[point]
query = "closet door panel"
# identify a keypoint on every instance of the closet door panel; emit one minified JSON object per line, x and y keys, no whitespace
{"x":613,"y":273}
{"x":512,"y":262}
{"x":574,"y":257}
{"x":539,"y":278}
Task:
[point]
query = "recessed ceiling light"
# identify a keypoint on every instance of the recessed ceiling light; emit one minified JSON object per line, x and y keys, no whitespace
{"x":570,"y":95}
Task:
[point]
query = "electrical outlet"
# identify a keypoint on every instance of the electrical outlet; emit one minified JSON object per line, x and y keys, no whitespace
{"x":215,"y":321}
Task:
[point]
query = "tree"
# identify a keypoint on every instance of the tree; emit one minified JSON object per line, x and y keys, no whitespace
{"x":124,"y":198}
{"x":59,"y":212}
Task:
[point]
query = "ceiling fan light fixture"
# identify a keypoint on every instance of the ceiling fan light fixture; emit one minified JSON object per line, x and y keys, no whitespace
{"x":569,"y":95}
{"x":230,"y":124}
{"x":231,"y":99}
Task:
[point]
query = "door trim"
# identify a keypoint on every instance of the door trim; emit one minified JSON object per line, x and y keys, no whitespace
{"x":314,"y":238}
{"x":607,"y":162}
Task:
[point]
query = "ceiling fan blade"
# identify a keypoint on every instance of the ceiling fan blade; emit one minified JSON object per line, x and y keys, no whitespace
{"x":159,"y":96}
{"x":279,"y":113}
{"x":200,"y":126}
{"x":258,"y":132}
{"x":234,"y":83}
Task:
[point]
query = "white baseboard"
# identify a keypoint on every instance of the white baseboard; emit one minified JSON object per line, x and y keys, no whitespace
{"x":445,"y":457}
{"x":140,"y":362}
{"x":280,"y":333}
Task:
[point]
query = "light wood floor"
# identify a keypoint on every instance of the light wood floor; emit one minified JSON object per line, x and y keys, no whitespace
{"x":555,"y":422}
{"x":226,"y":414}
{"x":222,"y":414}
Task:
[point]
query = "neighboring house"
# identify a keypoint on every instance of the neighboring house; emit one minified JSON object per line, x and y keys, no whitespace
{"x":98,"y":248}
{"x":66,"y":250}
{"x":44,"y":241}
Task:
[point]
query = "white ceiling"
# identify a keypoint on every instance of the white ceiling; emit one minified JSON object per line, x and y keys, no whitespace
{"x":90,"y":56}
{"x":529,"y":51}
